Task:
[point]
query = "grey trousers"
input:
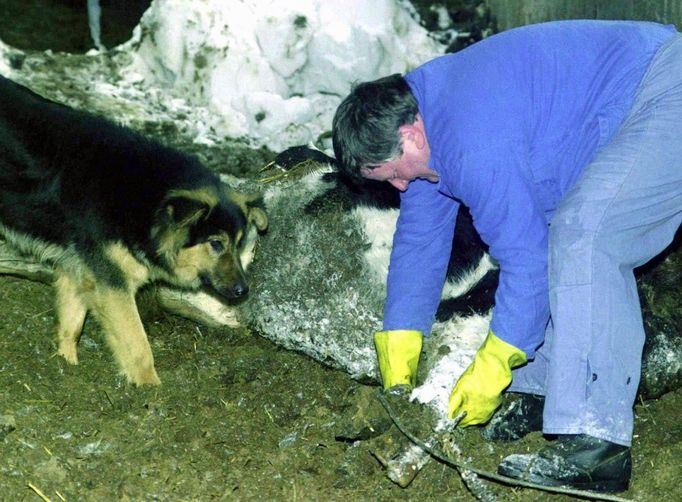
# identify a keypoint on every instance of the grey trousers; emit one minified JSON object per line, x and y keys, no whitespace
{"x":623,"y":211}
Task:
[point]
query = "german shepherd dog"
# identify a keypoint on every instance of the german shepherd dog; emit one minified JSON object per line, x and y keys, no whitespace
{"x":111,"y":210}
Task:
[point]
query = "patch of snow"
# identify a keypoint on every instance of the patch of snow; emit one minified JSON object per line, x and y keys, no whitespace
{"x":272,"y":72}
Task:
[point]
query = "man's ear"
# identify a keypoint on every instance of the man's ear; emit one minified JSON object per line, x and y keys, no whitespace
{"x":414,"y":133}
{"x":183,"y":211}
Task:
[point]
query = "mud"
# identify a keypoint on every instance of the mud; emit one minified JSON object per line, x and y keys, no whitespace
{"x":236,"y":418}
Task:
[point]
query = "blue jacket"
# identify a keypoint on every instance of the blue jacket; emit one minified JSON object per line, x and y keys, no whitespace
{"x":511,"y":122}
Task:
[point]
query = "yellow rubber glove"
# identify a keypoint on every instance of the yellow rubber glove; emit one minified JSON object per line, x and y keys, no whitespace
{"x":398,"y":353}
{"x":478,"y":391}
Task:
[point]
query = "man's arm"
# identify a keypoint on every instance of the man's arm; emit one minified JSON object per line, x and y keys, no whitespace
{"x":421,"y":250}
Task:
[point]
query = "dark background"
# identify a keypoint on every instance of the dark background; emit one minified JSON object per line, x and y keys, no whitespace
{"x":62,"y":25}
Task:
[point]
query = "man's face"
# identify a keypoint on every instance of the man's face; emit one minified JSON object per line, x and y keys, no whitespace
{"x":413,"y":163}
{"x":399,"y":172}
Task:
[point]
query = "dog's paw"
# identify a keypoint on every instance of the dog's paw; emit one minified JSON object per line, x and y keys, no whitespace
{"x":146,"y":376}
{"x":69,"y":352}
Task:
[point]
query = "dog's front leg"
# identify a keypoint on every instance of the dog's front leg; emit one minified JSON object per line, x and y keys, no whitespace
{"x":71,"y":311}
{"x":117,"y":312}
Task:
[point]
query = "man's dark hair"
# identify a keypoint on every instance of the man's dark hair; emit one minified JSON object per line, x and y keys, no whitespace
{"x":366,"y":123}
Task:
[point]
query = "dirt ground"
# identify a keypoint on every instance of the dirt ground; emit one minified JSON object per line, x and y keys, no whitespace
{"x":236,"y":418}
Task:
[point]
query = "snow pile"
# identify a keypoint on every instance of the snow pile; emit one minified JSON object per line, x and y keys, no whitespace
{"x":272,"y":72}
{"x":268,"y":73}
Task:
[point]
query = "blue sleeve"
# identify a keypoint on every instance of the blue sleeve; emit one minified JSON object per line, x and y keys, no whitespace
{"x":419,"y":258}
{"x":507,"y":215}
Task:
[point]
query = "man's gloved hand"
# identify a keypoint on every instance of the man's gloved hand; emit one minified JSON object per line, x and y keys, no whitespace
{"x":398,"y":353}
{"x":478,"y":391}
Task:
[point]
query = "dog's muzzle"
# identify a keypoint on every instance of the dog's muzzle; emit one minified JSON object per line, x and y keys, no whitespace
{"x":237,"y":291}
{"x":231,"y":292}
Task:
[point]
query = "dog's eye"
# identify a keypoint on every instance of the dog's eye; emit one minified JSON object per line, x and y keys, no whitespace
{"x":217,"y":245}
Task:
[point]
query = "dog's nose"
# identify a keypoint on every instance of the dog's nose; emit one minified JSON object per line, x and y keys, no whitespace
{"x":240,"y":290}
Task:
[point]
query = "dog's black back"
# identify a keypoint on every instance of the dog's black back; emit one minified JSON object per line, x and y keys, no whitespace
{"x":75,"y":179}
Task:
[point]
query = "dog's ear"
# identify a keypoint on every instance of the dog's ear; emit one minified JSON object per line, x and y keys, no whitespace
{"x":252,"y":205}
{"x":183,"y":208}
{"x":258,"y":217}
{"x":183,"y":211}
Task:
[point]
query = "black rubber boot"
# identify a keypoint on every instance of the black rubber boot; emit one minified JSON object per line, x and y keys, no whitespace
{"x":513,"y":421}
{"x":577,"y":461}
